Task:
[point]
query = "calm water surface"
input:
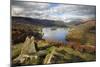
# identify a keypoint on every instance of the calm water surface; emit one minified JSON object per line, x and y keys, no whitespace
{"x":57,"y":34}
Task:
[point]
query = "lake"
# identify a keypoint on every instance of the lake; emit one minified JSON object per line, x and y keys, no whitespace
{"x":55,"y":34}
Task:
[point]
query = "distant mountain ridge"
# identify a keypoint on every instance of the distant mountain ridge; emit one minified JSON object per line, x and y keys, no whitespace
{"x":41,"y":22}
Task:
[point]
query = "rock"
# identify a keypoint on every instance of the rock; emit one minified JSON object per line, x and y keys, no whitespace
{"x":49,"y":56}
{"x":28,"y":53}
{"x":42,"y":52}
{"x":25,"y":59}
{"x":29,"y":46}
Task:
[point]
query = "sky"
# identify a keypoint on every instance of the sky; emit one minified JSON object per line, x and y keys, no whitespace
{"x":53,"y":11}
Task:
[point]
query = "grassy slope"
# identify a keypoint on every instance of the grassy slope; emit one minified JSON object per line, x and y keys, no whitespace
{"x":83,"y":33}
{"x":49,"y":52}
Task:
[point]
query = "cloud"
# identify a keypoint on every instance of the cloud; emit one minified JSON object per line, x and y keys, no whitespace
{"x":17,"y":11}
{"x":53,"y":11}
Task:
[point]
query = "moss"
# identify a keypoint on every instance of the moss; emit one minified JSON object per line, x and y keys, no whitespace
{"x":16,"y":50}
{"x":77,"y":54}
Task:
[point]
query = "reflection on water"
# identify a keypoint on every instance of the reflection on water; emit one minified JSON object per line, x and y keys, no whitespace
{"x":57,"y":34}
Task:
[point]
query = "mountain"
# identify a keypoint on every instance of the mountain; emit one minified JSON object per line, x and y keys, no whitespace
{"x":75,"y":21}
{"x":40,"y":22}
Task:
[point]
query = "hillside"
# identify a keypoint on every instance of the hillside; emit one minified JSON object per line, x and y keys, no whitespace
{"x":40,"y":22}
{"x":29,"y":49}
{"x":83,"y":36}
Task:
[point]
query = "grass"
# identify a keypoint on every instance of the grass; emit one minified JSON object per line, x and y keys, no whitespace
{"x":84,"y":56}
{"x":82,"y":33}
{"x":54,"y":52}
{"x":16,"y":50}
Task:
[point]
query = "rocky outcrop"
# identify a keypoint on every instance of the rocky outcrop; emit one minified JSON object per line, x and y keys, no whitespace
{"x":28,"y":53}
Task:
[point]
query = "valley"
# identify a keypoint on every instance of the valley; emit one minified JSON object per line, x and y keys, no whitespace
{"x":31,"y":42}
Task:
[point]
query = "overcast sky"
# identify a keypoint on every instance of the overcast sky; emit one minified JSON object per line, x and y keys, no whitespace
{"x":52,"y":11}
